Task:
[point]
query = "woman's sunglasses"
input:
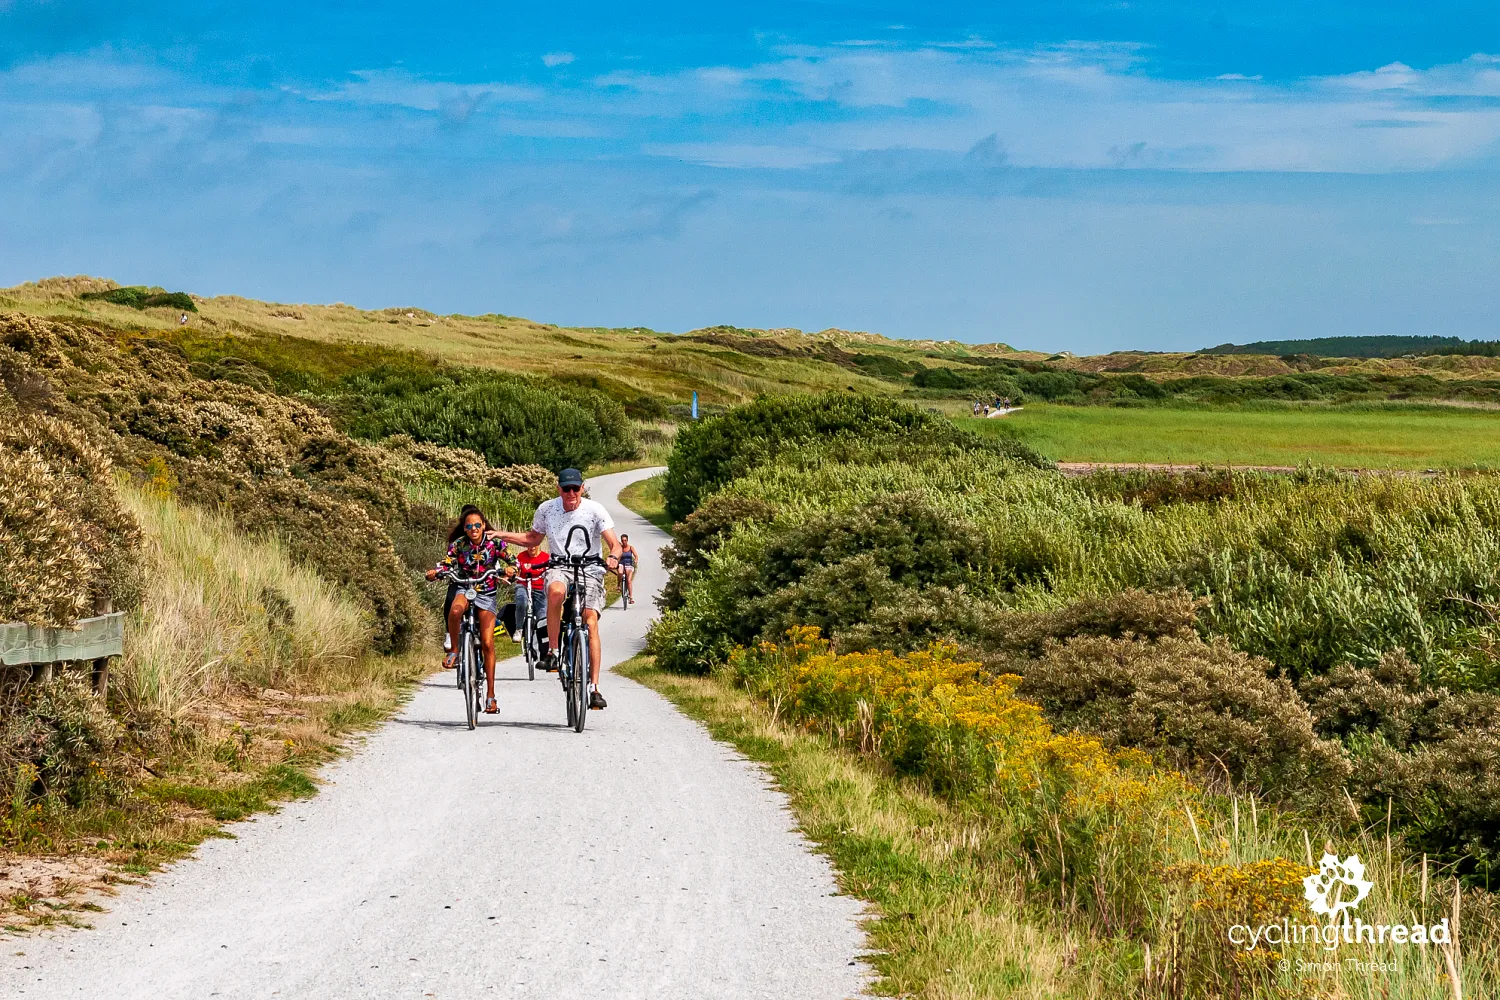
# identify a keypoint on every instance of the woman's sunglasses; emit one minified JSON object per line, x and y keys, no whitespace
{"x":474,"y":526}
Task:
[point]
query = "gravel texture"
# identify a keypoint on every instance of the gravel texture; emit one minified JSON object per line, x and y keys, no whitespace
{"x":639,"y":859}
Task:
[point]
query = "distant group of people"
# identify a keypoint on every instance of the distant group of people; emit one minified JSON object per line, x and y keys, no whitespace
{"x":984,"y":409}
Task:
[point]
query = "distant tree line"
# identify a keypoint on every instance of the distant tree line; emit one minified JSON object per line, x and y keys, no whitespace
{"x":1363,"y":347}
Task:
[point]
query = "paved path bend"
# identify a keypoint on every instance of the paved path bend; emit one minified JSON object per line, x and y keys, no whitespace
{"x":637,"y":860}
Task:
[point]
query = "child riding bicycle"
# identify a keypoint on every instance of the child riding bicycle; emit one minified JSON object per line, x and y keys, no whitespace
{"x":531,"y":566}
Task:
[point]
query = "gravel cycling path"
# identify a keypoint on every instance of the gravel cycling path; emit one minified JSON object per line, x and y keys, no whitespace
{"x":639,"y":859}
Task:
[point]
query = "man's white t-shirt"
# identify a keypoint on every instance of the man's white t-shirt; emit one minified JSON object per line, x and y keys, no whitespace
{"x":555,"y":522}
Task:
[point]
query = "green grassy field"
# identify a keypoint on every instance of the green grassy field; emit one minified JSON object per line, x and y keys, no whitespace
{"x":1369,"y":438}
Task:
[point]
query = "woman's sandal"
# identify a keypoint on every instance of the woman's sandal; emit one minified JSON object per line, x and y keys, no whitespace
{"x":451,"y":660}
{"x":490,"y":708}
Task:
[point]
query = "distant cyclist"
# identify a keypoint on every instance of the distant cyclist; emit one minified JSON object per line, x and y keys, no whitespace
{"x":553,"y":521}
{"x":472,"y":553}
{"x":628,"y":557}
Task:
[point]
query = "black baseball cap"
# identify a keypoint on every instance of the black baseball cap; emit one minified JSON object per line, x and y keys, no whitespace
{"x":570,"y":477}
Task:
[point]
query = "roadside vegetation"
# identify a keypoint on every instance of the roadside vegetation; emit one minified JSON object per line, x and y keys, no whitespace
{"x":268,"y":564}
{"x":1113,"y":671}
{"x":646,"y":499}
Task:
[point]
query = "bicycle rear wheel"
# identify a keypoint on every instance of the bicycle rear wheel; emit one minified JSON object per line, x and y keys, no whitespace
{"x":578,"y":650}
{"x":471,"y":684}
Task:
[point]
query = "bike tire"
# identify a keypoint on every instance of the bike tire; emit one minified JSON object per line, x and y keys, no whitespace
{"x":471,"y":686}
{"x":528,"y":636}
{"x":580,"y":691}
{"x":566,"y":669}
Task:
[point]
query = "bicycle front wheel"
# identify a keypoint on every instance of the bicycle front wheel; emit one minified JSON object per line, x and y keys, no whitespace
{"x":528,"y":636}
{"x":580,"y":688}
{"x":471,"y":681}
{"x":566,"y":669}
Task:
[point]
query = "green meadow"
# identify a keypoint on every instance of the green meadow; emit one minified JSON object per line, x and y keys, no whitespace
{"x":1389,"y":437}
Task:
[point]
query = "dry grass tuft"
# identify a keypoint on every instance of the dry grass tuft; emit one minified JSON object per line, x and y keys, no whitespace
{"x":224,"y":610}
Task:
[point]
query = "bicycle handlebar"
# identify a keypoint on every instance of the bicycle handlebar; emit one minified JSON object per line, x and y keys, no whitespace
{"x":572,"y":560}
{"x":466,"y":581}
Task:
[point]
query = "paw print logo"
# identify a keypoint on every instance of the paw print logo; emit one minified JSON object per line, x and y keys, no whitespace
{"x":1337,"y":887}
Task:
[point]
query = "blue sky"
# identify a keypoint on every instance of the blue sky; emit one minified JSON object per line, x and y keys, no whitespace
{"x":1062,"y":175}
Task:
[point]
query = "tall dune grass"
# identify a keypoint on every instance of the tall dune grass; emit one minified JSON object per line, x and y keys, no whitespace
{"x":221,"y":609}
{"x":1308,"y":571}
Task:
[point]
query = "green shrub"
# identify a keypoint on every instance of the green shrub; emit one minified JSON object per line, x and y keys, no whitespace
{"x":66,"y":541}
{"x":59,"y":746}
{"x":1443,"y":796}
{"x":699,"y":536}
{"x":337,"y":536}
{"x":710,"y":453}
{"x":681,"y":643}
{"x":422,"y":459}
{"x":141,"y":297}
{"x":508,"y":420}
{"x":1152,"y":490}
{"x":1132,"y":613}
{"x":646,"y":408}
{"x":1202,"y":705}
{"x":1427,"y":755}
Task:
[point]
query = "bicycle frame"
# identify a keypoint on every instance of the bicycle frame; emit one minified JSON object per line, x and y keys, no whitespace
{"x":531,"y":629}
{"x":574,"y":635}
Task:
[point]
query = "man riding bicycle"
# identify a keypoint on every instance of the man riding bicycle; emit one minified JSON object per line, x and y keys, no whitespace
{"x":555,"y":519}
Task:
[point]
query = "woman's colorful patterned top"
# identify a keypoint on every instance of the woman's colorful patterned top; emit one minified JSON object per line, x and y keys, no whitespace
{"x":470,"y":560}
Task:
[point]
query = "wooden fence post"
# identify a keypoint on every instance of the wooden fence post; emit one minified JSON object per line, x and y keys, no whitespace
{"x":102,"y":606}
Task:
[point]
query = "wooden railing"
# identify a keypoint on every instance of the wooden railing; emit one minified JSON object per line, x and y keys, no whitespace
{"x":45,"y":649}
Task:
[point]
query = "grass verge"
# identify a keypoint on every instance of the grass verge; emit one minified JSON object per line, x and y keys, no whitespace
{"x":646,"y":499}
{"x":943,"y":925}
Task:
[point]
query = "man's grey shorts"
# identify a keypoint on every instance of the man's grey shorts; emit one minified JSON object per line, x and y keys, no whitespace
{"x":593,"y":584}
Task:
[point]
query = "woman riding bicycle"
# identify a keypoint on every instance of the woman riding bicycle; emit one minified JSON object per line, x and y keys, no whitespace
{"x":628,"y":559}
{"x":472,"y":554}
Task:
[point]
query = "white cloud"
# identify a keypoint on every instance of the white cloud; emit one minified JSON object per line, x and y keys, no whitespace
{"x":727,"y":155}
{"x":398,"y":88}
{"x":1075,"y":105}
{"x":553,"y":59}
